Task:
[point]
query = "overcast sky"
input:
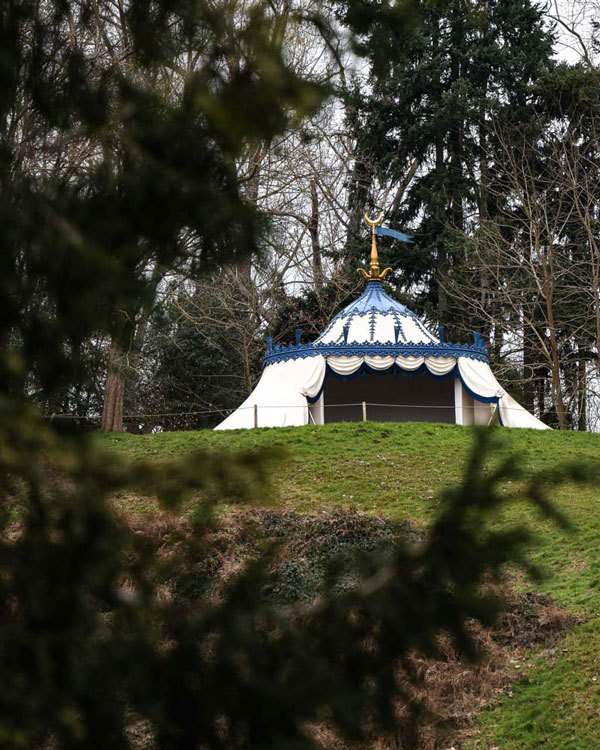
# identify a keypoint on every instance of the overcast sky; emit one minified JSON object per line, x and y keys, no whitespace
{"x":577,"y":15}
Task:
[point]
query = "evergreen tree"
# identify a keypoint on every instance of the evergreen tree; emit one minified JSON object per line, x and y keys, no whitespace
{"x":427,"y":108}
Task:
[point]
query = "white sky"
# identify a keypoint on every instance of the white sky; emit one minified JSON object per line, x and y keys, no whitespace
{"x":573,"y":27}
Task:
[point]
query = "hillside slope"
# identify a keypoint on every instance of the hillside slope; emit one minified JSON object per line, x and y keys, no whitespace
{"x":397,"y":470}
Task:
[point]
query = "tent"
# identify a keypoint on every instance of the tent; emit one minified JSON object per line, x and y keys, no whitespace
{"x":377,"y":360}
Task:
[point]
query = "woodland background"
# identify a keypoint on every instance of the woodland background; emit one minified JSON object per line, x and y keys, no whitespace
{"x":472,"y":125}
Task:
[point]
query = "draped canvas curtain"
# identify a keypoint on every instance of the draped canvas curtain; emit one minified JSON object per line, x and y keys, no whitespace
{"x":279,"y":399}
{"x":350,"y":365}
{"x":481,"y":383}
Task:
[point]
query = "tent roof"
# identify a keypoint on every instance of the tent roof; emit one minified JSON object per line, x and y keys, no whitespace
{"x":376,"y":318}
{"x":374,"y":298}
{"x":376,"y":325}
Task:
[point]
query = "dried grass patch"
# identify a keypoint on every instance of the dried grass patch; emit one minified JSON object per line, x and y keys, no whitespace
{"x":452,"y":689}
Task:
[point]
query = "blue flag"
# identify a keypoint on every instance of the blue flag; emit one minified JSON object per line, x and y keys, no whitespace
{"x":393,"y":233}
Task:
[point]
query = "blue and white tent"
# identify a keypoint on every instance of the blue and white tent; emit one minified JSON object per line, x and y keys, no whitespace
{"x":377,"y":360}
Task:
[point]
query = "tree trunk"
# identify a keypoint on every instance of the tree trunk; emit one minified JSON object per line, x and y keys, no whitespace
{"x":581,"y":394}
{"x":358,"y":197}
{"x":251,"y":191}
{"x":317,"y":262}
{"x":486,"y":323}
{"x":119,"y":365}
{"x":443,"y":264}
{"x":555,"y":360}
{"x":453,"y":171}
{"x":530,"y":352}
{"x":541,"y":387}
{"x":114,"y":391}
{"x":530,"y":365}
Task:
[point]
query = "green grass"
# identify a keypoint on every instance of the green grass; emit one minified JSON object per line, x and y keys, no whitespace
{"x":557,"y":705}
{"x":398,"y":470}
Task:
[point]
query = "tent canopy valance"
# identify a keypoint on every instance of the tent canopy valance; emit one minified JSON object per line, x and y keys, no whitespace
{"x":348,"y":366}
{"x":405,"y":351}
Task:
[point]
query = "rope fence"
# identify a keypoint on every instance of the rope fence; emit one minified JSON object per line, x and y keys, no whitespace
{"x":194,"y":420}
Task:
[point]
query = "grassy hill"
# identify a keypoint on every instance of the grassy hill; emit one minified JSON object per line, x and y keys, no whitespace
{"x":397,"y":470}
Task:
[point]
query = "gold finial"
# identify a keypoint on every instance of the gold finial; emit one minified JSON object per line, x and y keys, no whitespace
{"x":374,"y":274}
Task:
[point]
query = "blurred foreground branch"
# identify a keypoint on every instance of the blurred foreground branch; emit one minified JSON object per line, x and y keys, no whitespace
{"x":94,"y":637}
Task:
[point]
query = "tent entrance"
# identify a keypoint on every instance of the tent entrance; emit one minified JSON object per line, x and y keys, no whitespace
{"x":388,"y":398}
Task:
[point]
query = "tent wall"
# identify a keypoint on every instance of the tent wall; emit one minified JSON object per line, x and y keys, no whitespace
{"x":463,"y":404}
{"x":478,"y":378}
{"x":281,"y":397}
{"x":468,"y":410}
{"x":389,"y":398}
{"x":317,"y":412}
{"x":483,"y":413}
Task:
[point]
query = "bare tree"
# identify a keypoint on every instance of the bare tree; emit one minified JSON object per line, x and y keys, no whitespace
{"x":252,"y":282}
{"x":540,"y":254}
{"x":576,"y":28}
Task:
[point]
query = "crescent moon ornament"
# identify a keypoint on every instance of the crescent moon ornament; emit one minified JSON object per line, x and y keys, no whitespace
{"x":374,"y":274}
{"x":373,"y":222}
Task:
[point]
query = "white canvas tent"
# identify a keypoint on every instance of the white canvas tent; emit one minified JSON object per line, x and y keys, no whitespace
{"x":377,"y":360}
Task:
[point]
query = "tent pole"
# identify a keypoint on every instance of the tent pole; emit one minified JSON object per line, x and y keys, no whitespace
{"x":364,"y":409}
{"x":256,"y":415}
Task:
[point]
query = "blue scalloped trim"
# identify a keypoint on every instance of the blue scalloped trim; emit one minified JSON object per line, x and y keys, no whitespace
{"x":375,"y":349}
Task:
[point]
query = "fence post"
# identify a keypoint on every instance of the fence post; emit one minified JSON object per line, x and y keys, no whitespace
{"x":256,"y":415}
{"x":364,"y":405}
